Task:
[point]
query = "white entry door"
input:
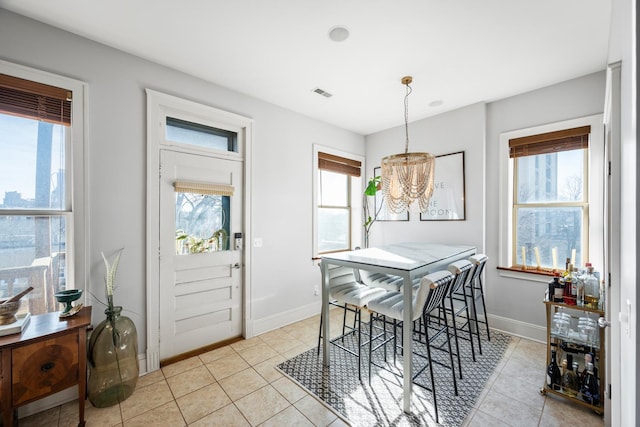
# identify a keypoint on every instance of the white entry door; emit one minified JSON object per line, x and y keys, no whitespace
{"x":201,"y":274}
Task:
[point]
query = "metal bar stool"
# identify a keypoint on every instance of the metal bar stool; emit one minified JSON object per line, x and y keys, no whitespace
{"x":460,"y":270}
{"x":477,"y":289}
{"x":344,"y":289}
{"x":427,"y":296}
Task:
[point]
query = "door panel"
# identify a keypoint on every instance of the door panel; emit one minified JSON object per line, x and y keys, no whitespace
{"x":200,"y":276}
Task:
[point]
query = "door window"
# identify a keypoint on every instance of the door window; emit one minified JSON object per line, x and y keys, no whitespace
{"x":202,"y":223}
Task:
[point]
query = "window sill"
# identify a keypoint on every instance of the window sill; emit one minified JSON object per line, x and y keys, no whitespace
{"x":529,"y":273}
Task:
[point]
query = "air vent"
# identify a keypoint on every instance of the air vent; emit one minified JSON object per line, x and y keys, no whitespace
{"x":322,"y":92}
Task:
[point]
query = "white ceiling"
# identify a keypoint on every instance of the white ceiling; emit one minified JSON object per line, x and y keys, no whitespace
{"x":458,"y":51}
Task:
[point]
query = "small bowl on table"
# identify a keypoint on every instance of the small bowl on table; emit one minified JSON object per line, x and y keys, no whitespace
{"x":8,"y":312}
{"x":67,"y":297}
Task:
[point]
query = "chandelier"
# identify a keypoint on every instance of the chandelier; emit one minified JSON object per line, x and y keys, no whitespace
{"x":407,"y":177}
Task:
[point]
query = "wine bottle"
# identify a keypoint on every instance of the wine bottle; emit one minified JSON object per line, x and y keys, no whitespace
{"x":558,"y":288}
{"x":570,"y":385}
{"x":553,"y":373}
{"x":589,"y":389}
{"x":578,"y":375}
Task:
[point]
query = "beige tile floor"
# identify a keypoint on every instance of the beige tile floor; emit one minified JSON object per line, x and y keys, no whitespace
{"x":237,"y":385}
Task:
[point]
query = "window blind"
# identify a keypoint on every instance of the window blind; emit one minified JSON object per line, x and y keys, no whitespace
{"x":203,"y":188}
{"x":550,"y":142}
{"x":338,"y":164}
{"x":32,"y":100}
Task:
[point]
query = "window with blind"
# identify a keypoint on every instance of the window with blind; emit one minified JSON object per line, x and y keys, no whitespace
{"x":36,"y":212}
{"x":337,"y":205}
{"x":550,"y":210}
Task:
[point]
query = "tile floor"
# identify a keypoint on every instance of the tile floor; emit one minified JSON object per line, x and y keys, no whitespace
{"x":237,"y":385}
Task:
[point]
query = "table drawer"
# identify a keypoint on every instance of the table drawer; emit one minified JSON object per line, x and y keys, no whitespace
{"x":44,"y":367}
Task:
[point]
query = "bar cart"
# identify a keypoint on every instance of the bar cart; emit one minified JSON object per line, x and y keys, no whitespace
{"x":582,"y":345}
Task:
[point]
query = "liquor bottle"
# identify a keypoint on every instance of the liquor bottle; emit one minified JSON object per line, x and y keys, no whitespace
{"x":550,"y":290}
{"x":588,"y":358}
{"x":553,"y":373}
{"x":589,"y":389}
{"x":567,"y":296}
{"x":558,"y":288}
{"x":591,"y":288}
{"x":570,"y":384}
{"x":578,"y":375}
{"x":577,"y":287}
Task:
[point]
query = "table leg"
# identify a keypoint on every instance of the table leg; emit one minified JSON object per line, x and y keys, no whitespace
{"x":325,"y":313}
{"x":407,"y":339}
{"x":5,"y":371}
{"x":82,"y":371}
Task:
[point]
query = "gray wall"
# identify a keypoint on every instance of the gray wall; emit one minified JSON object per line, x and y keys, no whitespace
{"x":116,"y":173}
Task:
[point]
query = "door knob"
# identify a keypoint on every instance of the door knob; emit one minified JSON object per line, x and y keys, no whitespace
{"x":236,"y":265}
{"x":603,"y":323}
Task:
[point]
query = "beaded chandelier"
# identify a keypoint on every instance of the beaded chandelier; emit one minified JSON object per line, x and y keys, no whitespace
{"x":408,"y":177}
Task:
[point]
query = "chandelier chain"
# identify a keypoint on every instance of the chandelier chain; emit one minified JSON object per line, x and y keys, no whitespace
{"x":406,"y":118}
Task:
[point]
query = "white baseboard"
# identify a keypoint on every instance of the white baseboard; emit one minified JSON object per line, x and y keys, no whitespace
{"x":279,"y":320}
{"x":518,"y":328}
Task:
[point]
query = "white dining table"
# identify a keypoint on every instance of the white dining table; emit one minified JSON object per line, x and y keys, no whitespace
{"x":407,"y":260}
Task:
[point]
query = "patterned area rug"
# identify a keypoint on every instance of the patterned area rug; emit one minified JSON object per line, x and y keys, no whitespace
{"x":380,"y":403}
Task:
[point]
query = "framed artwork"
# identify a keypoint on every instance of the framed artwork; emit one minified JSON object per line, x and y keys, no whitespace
{"x":447,"y":202}
{"x":384,"y":214}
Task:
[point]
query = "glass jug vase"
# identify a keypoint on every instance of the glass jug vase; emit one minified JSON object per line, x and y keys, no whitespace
{"x":112,"y":357}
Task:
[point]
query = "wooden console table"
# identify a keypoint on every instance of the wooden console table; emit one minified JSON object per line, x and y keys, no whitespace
{"x":50,"y":355}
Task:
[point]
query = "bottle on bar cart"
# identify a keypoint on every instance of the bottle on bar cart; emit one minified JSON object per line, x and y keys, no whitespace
{"x":577,"y":289}
{"x":589,"y":389}
{"x":591,"y":288}
{"x":570,"y":384}
{"x":553,"y":373}
{"x":558,"y":288}
{"x":568,"y":296}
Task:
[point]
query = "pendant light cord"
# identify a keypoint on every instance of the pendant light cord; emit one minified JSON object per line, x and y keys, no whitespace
{"x":406,"y":118}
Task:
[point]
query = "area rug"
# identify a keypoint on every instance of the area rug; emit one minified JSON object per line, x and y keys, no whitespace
{"x":380,"y":402}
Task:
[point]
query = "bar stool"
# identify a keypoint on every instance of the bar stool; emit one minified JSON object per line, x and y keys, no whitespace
{"x":344,"y":289}
{"x":477,"y":289}
{"x":427,"y":296}
{"x":339,"y":277}
{"x":460,"y":270}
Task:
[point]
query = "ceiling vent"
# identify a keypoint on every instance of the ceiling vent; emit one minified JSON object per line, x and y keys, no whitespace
{"x":322,"y":92}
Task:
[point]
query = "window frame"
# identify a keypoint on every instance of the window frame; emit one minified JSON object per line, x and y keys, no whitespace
{"x":75,"y":207}
{"x":355,"y":192}
{"x":594,"y":183}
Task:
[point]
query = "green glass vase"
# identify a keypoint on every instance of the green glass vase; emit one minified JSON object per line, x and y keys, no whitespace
{"x":112,"y":356}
